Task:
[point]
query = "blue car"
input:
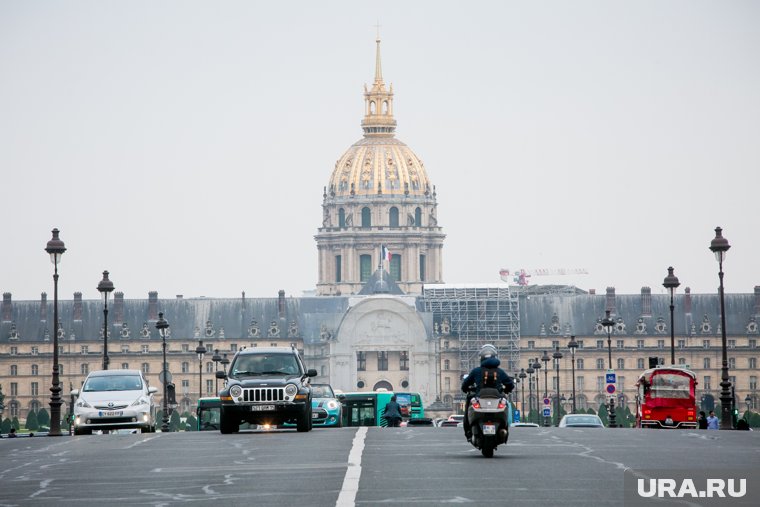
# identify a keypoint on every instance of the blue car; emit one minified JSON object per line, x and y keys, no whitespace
{"x":325,"y":407}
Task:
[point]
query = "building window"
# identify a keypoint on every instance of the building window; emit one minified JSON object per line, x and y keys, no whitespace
{"x":732,"y":362}
{"x":640,"y":363}
{"x":447,"y":384}
{"x":752,"y":363}
{"x":600,"y":344}
{"x":146,"y":367}
{"x":323,"y":370}
{"x":14,"y":351}
{"x":124,"y":366}
{"x":752,"y":382}
{"x":338,"y":268}
{"x":366,"y":217}
{"x":531,"y":344}
{"x":145,"y":349}
{"x":706,"y":344}
{"x":365,"y":267}
{"x":210,"y":387}
{"x":731,"y":344}
{"x":84,"y":369}
{"x":681,"y":344}
{"x":706,"y":363}
{"x":185,"y":347}
{"x":14,"y":370}
{"x":599,"y":383}
{"x":14,"y":389}
{"x":210,"y":367}
{"x":233,"y":347}
{"x":620,"y":344}
{"x":382,"y":361}
{"x":660,"y":344}
{"x":60,"y":369}
{"x":600,"y":364}
{"x":681,"y":360}
{"x":752,"y":343}
{"x":706,"y":383}
{"x":555,"y":344}
{"x":579,"y":364}
{"x":125,"y":349}
{"x":36,"y":369}
{"x":446,"y":364}
{"x":404,"y":360}
{"x":581,"y":383}
{"x":393,"y":216}
{"x":35,"y":351}
{"x":395,"y":267}
{"x":621,"y":364}
{"x":580,"y":344}
{"x":418,"y":217}
{"x":341,"y":218}
{"x":422,"y":268}
{"x":35,"y":389}
{"x":361,"y":361}
{"x":185,"y":367}
{"x":639,"y":344}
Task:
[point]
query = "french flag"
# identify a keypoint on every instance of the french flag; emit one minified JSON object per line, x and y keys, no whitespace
{"x":386,"y":253}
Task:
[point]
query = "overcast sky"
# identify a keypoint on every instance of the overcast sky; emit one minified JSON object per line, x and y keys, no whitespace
{"x":184,"y":145}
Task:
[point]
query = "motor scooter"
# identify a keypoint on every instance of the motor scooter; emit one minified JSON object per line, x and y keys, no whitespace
{"x":488,"y":420}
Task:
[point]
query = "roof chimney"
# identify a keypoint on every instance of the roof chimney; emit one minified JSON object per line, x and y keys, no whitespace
{"x":610,"y":305}
{"x":153,"y":305}
{"x":43,"y":306}
{"x":77,"y":306}
{"x":646,"y":301}
{"x":7,"y":313}
{"x":281,"y":303}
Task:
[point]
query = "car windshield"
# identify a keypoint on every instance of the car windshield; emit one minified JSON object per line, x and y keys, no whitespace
{"x":265,"y":364}
{"x":322,"y":391}
{"x":113,"y":383}
{"x":669,"y":385}
{"x":582,"y":420}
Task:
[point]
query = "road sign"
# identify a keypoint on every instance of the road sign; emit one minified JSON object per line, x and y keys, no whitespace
{"x":165,"y":374}
{"x":610,"y":377}
{"x":610,"y":388}
{"x":547,"y":401}
{"x":547,"y":412}
{"x":517,"y":415}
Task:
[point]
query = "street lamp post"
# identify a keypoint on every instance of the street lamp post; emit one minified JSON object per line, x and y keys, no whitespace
{"x":536,"y":368}
{"x":105,"y":287}
{"x":55,"y":248}
{"x":71,"y":410}
{"x":200,"y":350}
{"x":719,"y":246}
{"x":545,"y":359}
{"x":216,"y":358}
{"x":671,"y":283}
{"x":572,"y":345}
{"x":748,"y":402}
{"x":225,"y":362}
{"x":529,"y":370}
{"x":163,"y":329}
{"x":522,"y":376}
{"x":557,"y":356}
{"x":608,"y":324}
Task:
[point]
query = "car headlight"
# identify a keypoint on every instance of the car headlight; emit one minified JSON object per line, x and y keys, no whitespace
{"x":142,"y":400}
{"x":332,"y":404}
{"x":236,"y":391}
{"x":291,"y":390}
{"x":83,"y":404}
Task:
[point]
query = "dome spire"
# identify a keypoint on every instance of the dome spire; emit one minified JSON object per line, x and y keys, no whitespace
{"x":378,"y":102}
{"x":378,"y":66}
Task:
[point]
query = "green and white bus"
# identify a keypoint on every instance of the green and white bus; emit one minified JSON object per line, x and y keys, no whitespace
{"x":365,"y":408}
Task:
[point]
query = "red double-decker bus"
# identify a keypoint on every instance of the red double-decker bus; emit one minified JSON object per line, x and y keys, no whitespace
{"x":665,"y":398}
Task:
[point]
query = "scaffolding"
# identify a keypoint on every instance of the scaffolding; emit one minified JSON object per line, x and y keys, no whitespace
{"x":477,"y":315}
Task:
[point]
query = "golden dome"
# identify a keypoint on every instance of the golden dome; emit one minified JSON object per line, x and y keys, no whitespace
{"x":379,"y":164}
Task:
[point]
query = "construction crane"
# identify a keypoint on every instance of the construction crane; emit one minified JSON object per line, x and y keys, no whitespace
{"x":520,"y":276}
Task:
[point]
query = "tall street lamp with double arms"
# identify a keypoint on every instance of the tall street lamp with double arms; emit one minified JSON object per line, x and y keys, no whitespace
{"x":671,"y":283}
{"x":105,"y":287}
{"x":536,"y":368}
{"x":55,"y":248}
{"x":719,"y":245}
{"x":522,"y":376}
{"x":608,"y":324}
{"x":545,"y":359}
{"x":529,"y":370}
{"x":572,"y":345}
{"x":201,"y":351}
{"x":557,"y":356}
{"x":163,"y":330}
{"x":216,"y":358}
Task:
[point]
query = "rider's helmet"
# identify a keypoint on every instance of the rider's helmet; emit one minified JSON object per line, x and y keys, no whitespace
{"x":488,"y":351}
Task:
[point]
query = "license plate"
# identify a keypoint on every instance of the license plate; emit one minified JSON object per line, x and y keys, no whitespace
{"x":489,"y":429}
{"x":314,"y":415}
{"x":261,"y":408}
{"x":111,"y":413}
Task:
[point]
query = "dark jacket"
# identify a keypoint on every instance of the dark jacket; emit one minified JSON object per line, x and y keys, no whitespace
{"x":475,"y":378}
{"x":392,"y":410}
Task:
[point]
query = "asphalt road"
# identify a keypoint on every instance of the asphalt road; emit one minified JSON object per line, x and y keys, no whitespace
{"x":369,"y":466}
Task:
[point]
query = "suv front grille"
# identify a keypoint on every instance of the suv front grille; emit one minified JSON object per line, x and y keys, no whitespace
{"x":264,"y":394}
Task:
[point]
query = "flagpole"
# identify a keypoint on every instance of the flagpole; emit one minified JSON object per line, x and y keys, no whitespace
{"x":382,"y":258}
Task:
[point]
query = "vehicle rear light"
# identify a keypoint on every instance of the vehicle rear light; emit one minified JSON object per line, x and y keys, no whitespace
{"x":475,"y":403}
{"x":647,"y":411}
{"x":647,"y":416}
{"x":690,"y":418}
{"x":502,"y":404}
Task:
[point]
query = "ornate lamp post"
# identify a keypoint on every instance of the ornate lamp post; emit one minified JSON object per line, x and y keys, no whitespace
{"x":545,"y":359}
{"x":608,"y":324}
{"x":671,"y":283}
{"x":522,"y":376}
{"x":719,"y":246}
{"x":216,"y":358}
{"x":200,"y":350}
{"x":557,"y":356}
{"x":55,"y":248}
{"x":529,"y":370}
{"x":225,"y":362}
{"x":163,"y":330}
{"x":105,"y":287}
{"x":748,"y":402}
{"x":572,"y":345}
{"x":536,"y":367}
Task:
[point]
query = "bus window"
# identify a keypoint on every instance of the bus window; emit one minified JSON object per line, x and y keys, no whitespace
{"x":208,"y":415}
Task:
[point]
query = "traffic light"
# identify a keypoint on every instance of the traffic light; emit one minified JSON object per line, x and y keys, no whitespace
{"x":735,"y":416}
{"x":171,"y":397}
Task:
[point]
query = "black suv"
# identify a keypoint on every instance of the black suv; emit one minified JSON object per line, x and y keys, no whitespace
{"x":266,"y":385}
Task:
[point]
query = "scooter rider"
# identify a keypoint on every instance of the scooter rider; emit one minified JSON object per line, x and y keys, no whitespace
{"x":487,"y":373}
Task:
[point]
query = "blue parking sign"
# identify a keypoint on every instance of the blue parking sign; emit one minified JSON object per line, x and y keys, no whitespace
{"x":547,"y":412}
{"x":610,"y":378}
{"x":517,"y":416}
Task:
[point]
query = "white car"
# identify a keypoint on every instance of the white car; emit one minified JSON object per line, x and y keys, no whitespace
{"x":580,"y":421}
{"x":112,"y":400}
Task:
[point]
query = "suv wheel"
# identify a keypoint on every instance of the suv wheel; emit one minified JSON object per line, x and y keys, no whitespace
{"x":227,"y":425}
{"x":304,"y":420}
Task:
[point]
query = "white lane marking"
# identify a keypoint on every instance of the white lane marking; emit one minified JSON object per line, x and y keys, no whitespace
{"x":139,"y":442}
{"x":43,"y":488}
{"x":347,"y":495}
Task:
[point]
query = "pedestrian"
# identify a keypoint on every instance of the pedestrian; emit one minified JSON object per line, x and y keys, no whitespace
{"x":742,"y":425}
{"x":702,"y":420}
{"x":392,"y":413}
{"x":12,"y":433}
{"x":712,"y":421}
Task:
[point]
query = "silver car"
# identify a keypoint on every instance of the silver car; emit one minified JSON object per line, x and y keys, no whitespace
{"x":114,"y":399}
